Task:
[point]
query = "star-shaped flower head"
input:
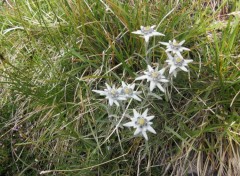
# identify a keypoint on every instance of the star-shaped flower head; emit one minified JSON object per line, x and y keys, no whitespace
{"x":147,"y":32}
{"x":142,"y":123}
{"x":112,"y":94}
{"x":177,"y":63}
{"x":175,"y":47}
{"x":155,"y":77}
{"x":127,"y":91}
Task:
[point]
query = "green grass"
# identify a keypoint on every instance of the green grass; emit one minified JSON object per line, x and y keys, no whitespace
{"x":54,"y":53}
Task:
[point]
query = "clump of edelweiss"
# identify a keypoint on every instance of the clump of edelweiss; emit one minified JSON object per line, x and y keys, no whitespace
{"x":175,"y":62}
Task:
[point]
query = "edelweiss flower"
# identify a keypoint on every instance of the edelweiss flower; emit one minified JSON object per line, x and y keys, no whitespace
{"x":175,"y":47}
{"x":148,"y":32}
{"x":128,"y":91}
{"x":177,"y":63}
{"x":112,"y":94}
{"x":155,"y":77}
{"x":142,"y":123}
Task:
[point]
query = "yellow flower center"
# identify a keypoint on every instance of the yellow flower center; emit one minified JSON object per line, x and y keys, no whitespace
{"x":141,"y":121}
{"x":155,"y":74}
{"x":147,"y":29}
{"x":113,"y":92}
{"x":179,"y":60}
{"x":127,"y":90}
{"x":175,"y":43}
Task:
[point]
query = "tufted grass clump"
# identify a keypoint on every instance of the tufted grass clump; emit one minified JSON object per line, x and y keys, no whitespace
{"x":54,"y":53}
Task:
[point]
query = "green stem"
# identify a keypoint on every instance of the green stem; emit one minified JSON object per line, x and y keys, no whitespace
{"x":146,"y":53}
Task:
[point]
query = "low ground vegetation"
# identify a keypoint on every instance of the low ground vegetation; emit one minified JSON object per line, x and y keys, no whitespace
{"x":58,"y":56}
